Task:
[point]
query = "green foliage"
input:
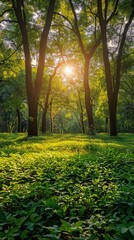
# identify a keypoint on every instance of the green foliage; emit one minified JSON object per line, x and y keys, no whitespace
{"x":70,"y":186}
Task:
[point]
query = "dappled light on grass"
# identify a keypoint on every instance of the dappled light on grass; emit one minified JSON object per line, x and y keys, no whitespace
{"x":66,"y":183}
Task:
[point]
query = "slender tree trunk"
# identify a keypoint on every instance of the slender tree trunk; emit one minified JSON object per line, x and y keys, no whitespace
{"x":51,"y":118}
{"x":32,"y":120}
{"x":81,"y":112}
{"x":88,"y":102}
{"x":44,"y":120}
{"x":82,"y":122}
{"x":106,"y":124}
{"x":113,"y":116}
{"x":44,"y":128}
{"x":19,"y":120}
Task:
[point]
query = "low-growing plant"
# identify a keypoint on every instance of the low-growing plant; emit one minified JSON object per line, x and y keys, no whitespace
{"x":66,"y":187}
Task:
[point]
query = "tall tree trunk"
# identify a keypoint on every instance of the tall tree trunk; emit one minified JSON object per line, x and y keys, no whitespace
{"x":32,"y":119}
{"x":33,"y":87}
{"x":88,"y":102}
{"x":113,"y":116}
{"x":112,"y":86}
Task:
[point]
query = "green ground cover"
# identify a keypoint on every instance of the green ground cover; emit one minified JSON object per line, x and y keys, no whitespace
{"x":67,"y":187}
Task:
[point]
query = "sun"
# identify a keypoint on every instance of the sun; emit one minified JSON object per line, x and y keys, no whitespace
{"x":68,"y":70}
{"x":34,"y":62}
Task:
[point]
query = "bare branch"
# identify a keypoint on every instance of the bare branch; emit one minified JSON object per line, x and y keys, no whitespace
{"x":6,"y":11}
{"x":114,"y":12}
{"x":11,"y":54}
{"x":8,"y":20}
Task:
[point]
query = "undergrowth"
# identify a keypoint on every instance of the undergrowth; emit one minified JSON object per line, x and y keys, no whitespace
{"x":66,"y":187}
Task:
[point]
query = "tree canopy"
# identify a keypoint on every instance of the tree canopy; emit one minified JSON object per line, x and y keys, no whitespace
{"x":66,"y":66}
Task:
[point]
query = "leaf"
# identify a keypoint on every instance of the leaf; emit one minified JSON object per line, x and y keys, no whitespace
{"x":82,"y":210}
{"x":21,"y":220}
{"x":30,"y":226}
{"x":65,"y":224}
{"x":52,"y":236}
{"x":124,"y":230}
{"x":10,"y":238}
{"x":131,"y":229}
{"x":24,"y":234}
{"x":13,"y":231}
{"x":78,"y":224}
{"x":2,"y":235}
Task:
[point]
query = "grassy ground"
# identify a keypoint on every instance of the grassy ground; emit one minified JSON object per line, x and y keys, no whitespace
{"x":67,"y":187}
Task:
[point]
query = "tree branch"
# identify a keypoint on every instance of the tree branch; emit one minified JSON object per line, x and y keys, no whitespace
{"x":114,"y":12}
{"x":8,"y":10}
{"x":105,"y":10}
{"x":90,"y":9}
{"x":8,"y":20}
{"x":62,"y":25}
{"x":42,"y":48}
{"x":94,"y":47}
{"x":11,"y":54}
{"x":61,"y":15}
{"x":77,"y":28}
{"x":119,"y":56}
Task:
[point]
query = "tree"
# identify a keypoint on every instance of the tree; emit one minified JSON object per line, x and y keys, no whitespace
{"x":12,"y":104}
{"x":112,"y":76}
{"x":46,"y":102}
{"x":87,"y":51}
{"x":33,"y":87}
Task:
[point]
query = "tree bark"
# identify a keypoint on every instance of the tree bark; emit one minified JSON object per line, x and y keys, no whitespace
{"x":33,"y":119}
{"x":113,"y":117}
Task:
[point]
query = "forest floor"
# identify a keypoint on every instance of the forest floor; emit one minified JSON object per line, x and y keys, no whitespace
{"x":69,"y":186}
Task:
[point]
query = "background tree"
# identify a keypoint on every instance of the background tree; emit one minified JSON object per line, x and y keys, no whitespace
{"x":13,"y":105}
{"x":44,"y":128}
